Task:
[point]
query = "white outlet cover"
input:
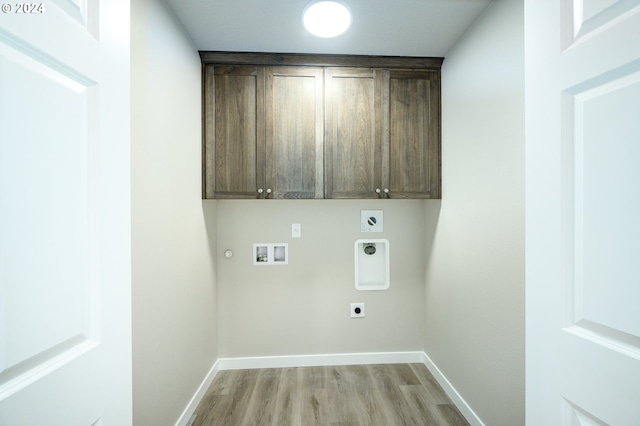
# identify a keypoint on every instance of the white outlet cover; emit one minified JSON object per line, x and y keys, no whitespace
{"x":371,"y":220}
{"x":353,"y":310}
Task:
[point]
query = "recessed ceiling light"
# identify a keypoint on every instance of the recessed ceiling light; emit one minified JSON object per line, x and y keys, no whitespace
{"x":326,"y":18}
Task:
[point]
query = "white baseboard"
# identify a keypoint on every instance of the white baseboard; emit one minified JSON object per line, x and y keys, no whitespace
{"x":452,"y":393}
{"x":325,"y":360}
{"x":320,"y":360}
{"x":184,"y":418}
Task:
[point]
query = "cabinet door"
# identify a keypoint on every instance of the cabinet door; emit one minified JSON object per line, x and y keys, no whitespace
{"x":411,"y":166}
{"x":294,"y":132}
{"x":234,"y":139}
{"x":353,"y":130}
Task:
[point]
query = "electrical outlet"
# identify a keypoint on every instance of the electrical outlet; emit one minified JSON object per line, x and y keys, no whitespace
{"x":357,"y":310}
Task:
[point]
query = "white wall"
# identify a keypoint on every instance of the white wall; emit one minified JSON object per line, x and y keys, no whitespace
{"x":174,"y":316}
{"x":475,"y":271}
{"x":304,"y":308}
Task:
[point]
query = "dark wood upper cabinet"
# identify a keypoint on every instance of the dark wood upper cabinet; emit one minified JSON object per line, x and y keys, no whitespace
{"x":294,"y":132}
{"x":353,"y":128}
{"x":233,"y":132}
{"x":343,"y":127}
{"x":263,"y":132}
{"x":412,"y":162}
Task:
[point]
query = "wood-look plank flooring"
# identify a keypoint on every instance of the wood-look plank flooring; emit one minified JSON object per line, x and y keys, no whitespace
{"x":362,"y":395}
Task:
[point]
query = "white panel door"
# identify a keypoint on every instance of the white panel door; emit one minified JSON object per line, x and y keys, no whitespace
{"x":65,"y":322}
{"x":583,"y":212}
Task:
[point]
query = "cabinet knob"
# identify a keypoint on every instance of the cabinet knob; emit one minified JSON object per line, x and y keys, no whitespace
{"x":386,"y":190}
{"x":260,"y":191}
{"x":377,"y":190}
{"x":268,"y":190}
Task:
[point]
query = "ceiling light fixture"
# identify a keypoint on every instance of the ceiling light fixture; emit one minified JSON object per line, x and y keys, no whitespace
{"x":326,"y":18}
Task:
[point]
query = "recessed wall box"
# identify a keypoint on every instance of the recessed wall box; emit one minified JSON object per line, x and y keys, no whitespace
{"x":372,"y":264}
{"x":271,"y":254}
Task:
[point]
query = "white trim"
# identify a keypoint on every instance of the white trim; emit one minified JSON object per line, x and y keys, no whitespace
{"x":452,"y":393}
{"x":325,"y":360}
{"x":185,"y":417}
{"x":320,"y":360}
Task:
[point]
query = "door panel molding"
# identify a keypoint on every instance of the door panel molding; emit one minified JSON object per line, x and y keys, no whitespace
{"x":577,"y":416}
{"x":597,"y":193}
{"x":584,"y":19}
{"x":54,"y":106}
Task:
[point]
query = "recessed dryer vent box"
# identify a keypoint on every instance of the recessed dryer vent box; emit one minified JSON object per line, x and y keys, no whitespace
{"x":372,"y":264}
{"x":271,"y":254}
{"x":371,"y":220}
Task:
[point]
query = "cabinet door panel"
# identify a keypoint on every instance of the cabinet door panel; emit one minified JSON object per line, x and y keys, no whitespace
{"x":413,"y":161}
{"x":353,"y":131}
{"x":294,"y":132}
{"x":236,"y":137}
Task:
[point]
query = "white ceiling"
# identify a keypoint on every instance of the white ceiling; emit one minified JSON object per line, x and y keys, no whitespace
{"x":379,"y":27}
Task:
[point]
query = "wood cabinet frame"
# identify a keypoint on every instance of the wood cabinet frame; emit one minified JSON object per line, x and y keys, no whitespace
{"x":383,"y":69}
{"x":320,"y":60}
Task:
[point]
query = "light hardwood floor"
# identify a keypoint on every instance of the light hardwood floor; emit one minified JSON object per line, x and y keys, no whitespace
{"x":377,"y":395}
